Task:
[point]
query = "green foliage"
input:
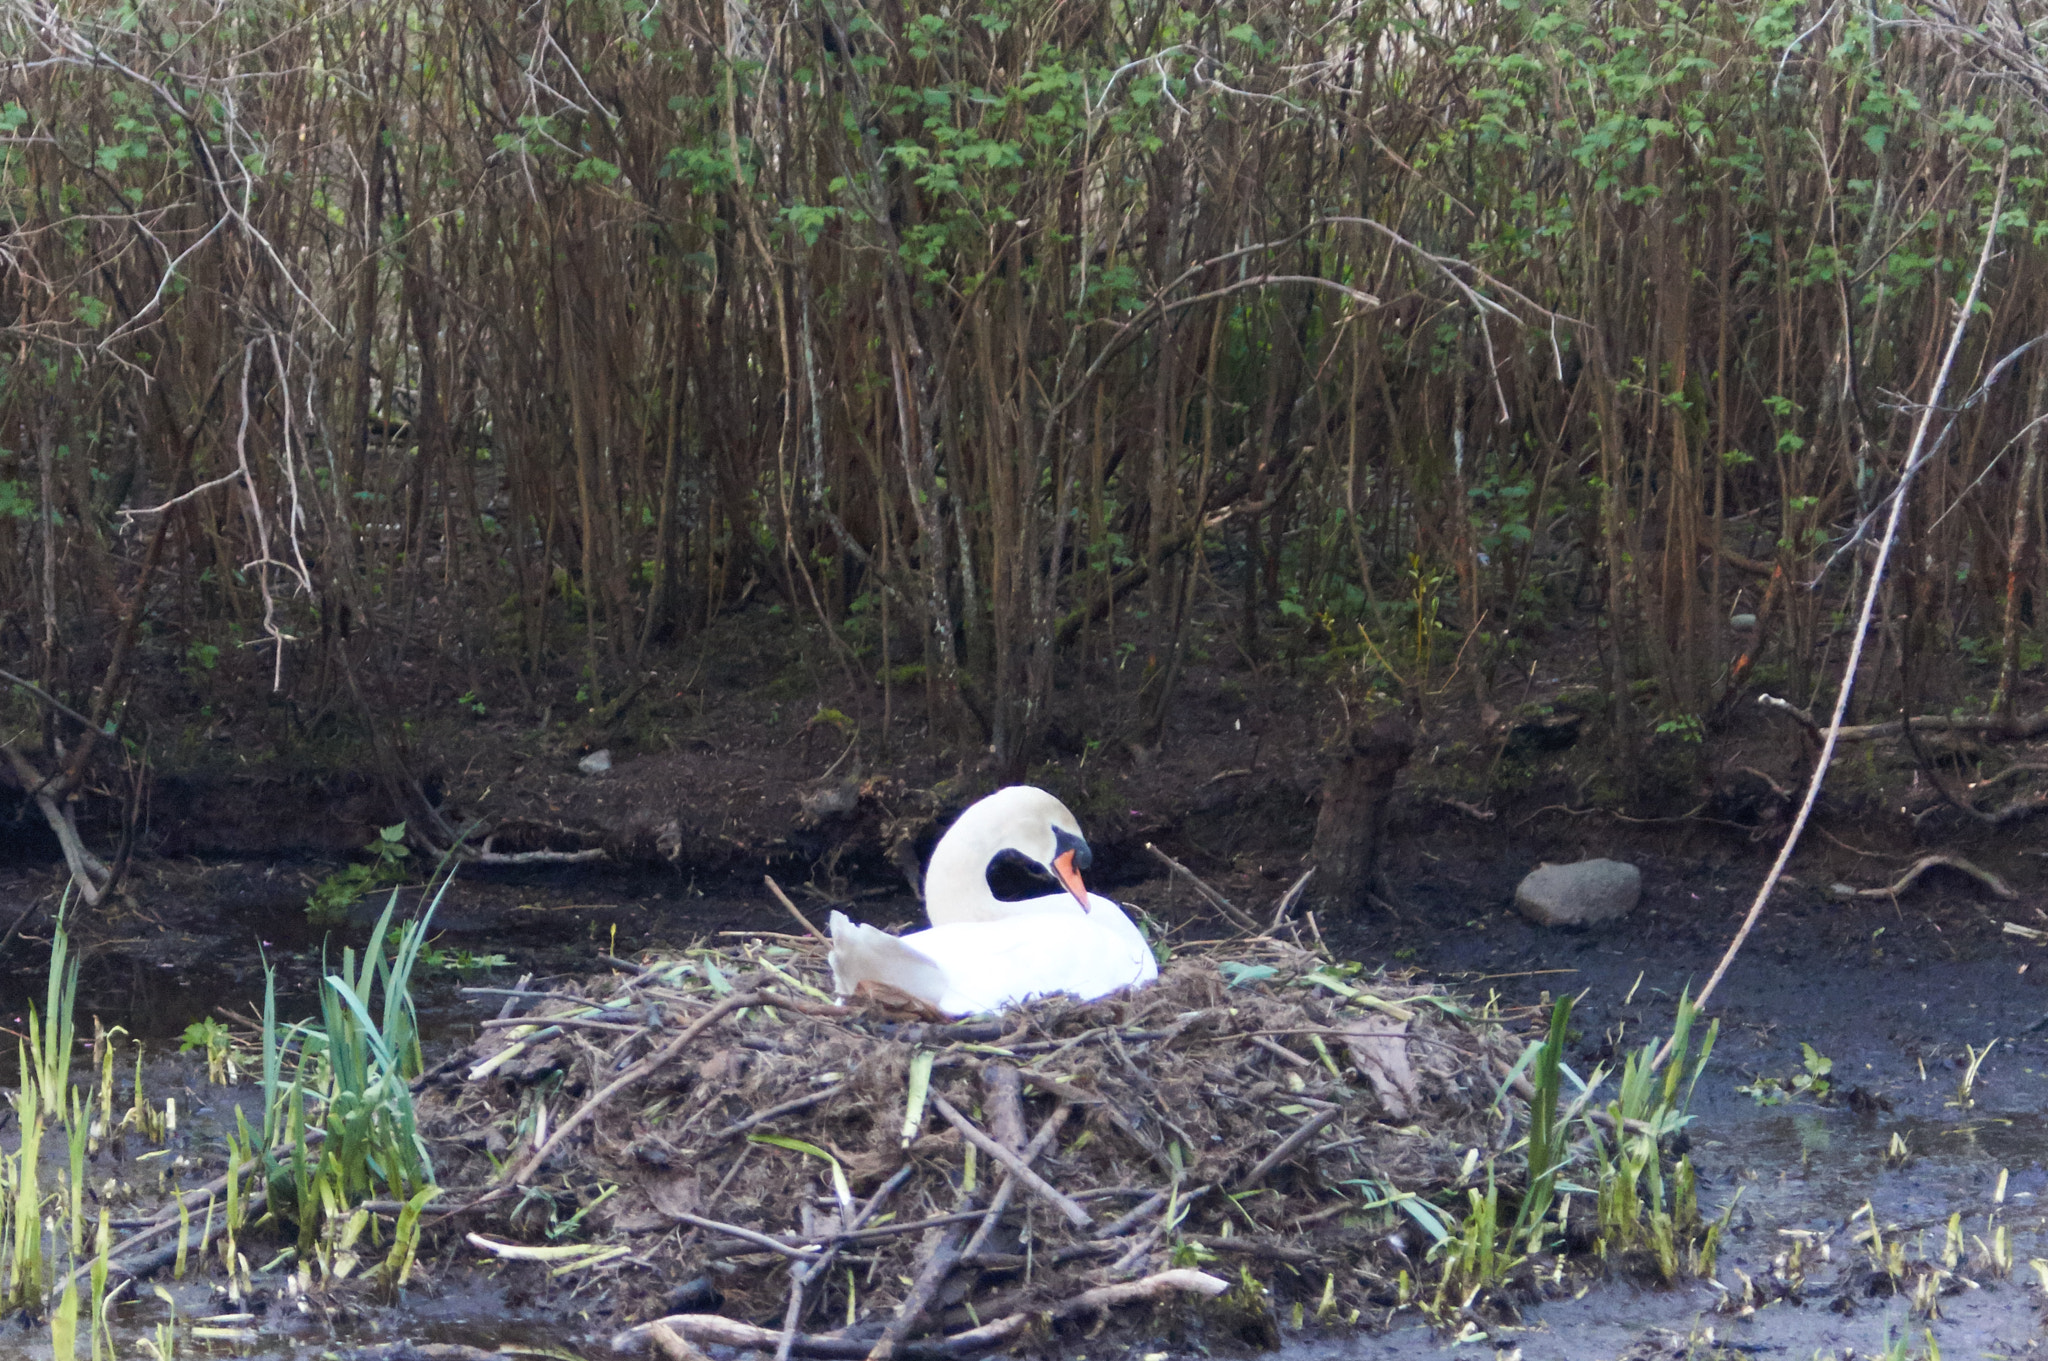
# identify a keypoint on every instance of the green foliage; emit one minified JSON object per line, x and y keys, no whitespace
{"x":432,"y":956}
{"x":1902,"y":1346}
{"x":405,"y":1240}
{"x":1031,"y":300}
{"x":1639,"y":1208}
{"x":351,"y":1078}
{"x":1815,"y":1080}
{"x":1685,"y":728}
{"x":833,"y":718}
{"x":212,"y":1039}
{"x":1645,"y":1202}
{"x":334,"y":897}
{"x":43,"y":1200}
{"x":14,"y":505}
{"x":1237,"y":974}
{"x":1548,"y":1150}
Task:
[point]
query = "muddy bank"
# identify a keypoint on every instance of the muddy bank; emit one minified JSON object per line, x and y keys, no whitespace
{"x":209,"y":923}
{"x":755,"y":751}
{"x":1894,"y":995}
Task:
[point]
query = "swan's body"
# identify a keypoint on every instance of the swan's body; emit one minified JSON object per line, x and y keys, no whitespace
{"x":968,"y":967}
{"x":984,"y":954}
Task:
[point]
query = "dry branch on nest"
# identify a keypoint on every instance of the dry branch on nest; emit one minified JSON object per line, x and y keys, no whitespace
{"x":813,"y":1164}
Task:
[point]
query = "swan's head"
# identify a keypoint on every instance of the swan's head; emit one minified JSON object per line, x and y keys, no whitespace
{"x":1070,"y":856}
{"x":1033,"y":824}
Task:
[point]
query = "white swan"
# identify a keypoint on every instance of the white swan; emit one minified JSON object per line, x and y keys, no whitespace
{"x":983,"y":954}
{"x":971,"y":967}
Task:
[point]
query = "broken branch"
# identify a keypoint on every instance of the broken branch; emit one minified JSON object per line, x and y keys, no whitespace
{"x":1209,"y":895}
{"x":1018,"y":1168}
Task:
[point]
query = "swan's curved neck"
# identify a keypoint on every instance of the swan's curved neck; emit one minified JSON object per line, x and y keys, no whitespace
{"x":958,"y":873}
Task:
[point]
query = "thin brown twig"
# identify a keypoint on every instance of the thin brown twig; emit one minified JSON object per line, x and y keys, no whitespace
{"x":582,"y":1022}
{"x":1290,"y":1145}
{"x":636,"y":1073}
{"x":1209,"y":895}
{"x":1289,"y":899}
{"x":944,"y":1257}
{"x":790,"y":1107}
{"x":802,"y":1278}
{"x":1001,"y":1201}
{"x":760,"y":1240}
{"x":790,"y":907}
{"x":1281,"y":1052}
{"x":46,"y":697}
{"x":741,"y":1247}
{"x":1139,"y":1213}
{"x":1018,"y":1168}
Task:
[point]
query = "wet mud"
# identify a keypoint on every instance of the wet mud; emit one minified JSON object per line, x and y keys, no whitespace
{"x":1897,"y":996}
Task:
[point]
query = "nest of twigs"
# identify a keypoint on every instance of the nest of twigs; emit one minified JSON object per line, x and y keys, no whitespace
{"x":781,"y":1172}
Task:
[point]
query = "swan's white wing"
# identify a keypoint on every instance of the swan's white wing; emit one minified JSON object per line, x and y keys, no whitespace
{"x":863,"y":955}
{"x":991,"y":965}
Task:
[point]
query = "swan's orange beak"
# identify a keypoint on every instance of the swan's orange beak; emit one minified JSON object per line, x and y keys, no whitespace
{"x":1063,"y":866}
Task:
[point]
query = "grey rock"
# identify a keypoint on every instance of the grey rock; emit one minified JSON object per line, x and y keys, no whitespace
{"x":597,"y":763}
{"x":1579,"y":894}
{"x":829,"y":800}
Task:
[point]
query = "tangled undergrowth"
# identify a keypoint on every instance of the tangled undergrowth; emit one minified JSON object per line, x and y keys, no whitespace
{"x":712,"y":1138}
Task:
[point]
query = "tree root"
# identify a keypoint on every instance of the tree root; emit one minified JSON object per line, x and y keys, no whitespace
{"x":88,"y":872}
{"x":1928,"y":862}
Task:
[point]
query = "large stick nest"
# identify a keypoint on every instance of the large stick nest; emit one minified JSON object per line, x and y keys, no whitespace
{"x":1258,"y":1112}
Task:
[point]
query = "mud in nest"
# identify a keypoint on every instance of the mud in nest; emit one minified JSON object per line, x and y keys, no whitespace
{"x":843,"y":1181}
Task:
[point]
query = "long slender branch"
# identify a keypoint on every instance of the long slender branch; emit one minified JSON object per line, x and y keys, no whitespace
{"x":46,"y":697}
{"x":1914,"y":460}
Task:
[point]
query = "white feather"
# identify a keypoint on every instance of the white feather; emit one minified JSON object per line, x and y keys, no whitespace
{"x":963,"y":968}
